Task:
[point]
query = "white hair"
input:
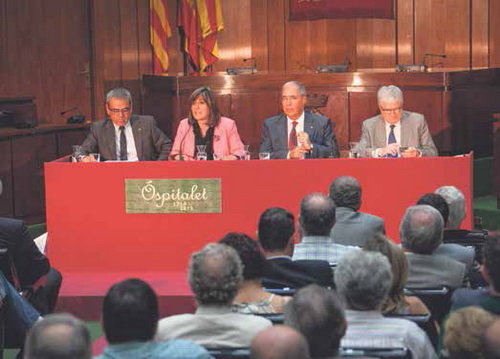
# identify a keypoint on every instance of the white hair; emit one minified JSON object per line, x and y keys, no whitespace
{"x":390,"y":93}
{"x":456,"y":202}
{"x":421,"y":229}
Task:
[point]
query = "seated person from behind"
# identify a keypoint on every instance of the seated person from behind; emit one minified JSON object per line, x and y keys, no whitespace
{"x":279,"y":342}
{"x":251,"y":298}
{"x":316,"y":219}
{"x":397,"y":302}
{"x":317,"y":313}
{"x":276,"y":237}
{"x":352,"y":227}
{"x":206,"y":127}
{"x":130,"y":316}
{"x":460,"y":253}
{"x":421,"y":233}
{"x":60,"y":336}
{"x":363,"y":279}
{"x":296,"y":133}
{"x":215,"y":274}
{"x":123,"y":136}
{"x":395,"y":130}
{"x":489,"y":298}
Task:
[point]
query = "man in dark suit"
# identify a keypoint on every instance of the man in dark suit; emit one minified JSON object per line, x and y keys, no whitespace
{"x":276,"y":229}
{"x":352,"y":227}
{"x":295,"y":133}
{"x":123,"y":136}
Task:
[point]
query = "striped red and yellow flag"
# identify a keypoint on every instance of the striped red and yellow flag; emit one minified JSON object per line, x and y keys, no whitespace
{"x":160,"y":31}
{"x":200,"y":21}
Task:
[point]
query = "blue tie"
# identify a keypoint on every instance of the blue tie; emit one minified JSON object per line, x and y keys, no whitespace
{"x":391,"y":139}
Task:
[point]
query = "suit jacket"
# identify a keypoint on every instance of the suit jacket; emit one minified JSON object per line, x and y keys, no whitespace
{"x":459,"y":253}
{"x":297,"y":274}
{"x":275,"y":136}
{"x":29,"y":262}
{"x":226,"y":139}
{"x":354,"y":228}
{"x":414,"y":133}
{"x":150,"y":142}
{"x":433,"y":271}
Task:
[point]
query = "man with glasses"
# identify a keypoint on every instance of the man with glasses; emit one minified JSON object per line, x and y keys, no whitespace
{"x":123,"y":136}
{"x":395,"y":132}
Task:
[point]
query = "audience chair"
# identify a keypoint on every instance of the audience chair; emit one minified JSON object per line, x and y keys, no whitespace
{"x":229,"y":353}
{"x":277,"y":287}
{"x":401,"y":353}
{"x":438,"y":300}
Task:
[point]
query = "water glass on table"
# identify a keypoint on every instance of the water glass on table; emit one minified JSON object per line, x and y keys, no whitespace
{"x":264,"y":156}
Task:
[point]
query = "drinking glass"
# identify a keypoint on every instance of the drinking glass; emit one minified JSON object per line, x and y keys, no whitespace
{"x":354,"y":150}
{"x":247,"y":152}
{"x":95,"y":157}
{"x":264,"y":156}
{"x":77,"y":154}
{"x":201,"y":155}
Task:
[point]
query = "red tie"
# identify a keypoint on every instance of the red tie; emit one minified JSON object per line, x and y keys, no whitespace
{"x":292,"y":140}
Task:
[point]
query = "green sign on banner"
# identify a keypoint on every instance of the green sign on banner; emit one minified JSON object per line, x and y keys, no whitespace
{"x":200,"y":195}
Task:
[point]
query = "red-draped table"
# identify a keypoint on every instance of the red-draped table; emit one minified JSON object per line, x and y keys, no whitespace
{"x":94,"y":242}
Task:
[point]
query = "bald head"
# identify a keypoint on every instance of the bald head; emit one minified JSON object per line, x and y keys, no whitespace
{"x":421,"y":229}
{"x":279,"y":342}
{"x":492,"y":341}
{"x":58,"y":336}
{"x":317,"y":215}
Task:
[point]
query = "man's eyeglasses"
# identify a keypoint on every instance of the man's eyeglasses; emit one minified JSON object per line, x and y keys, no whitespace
{"x":390,"y":110}
{"x":119,"y":110}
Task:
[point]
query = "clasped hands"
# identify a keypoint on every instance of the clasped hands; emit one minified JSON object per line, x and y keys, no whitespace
{"x":304,"y":146}
{"x":395,"y":148}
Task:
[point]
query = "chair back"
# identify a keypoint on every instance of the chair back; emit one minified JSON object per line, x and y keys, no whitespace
{"x":438,"y":300}
{"x":229,"y":353}
{"x":401,"y":353}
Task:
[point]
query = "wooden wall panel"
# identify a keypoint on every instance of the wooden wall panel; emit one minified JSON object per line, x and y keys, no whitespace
{"x":44,"y":48}
{"x":494,"y":42}
{"x":375,"y":39}
{"x":260,"y":48}
{"x":443,"y":27}
{"x":480,"y":25}
{"x":405,"y":35}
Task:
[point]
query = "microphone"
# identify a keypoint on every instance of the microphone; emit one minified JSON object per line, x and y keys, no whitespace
{"x":77,"y":118}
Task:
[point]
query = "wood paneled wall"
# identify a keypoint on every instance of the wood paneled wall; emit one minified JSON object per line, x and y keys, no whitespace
{"x":69,"y":53}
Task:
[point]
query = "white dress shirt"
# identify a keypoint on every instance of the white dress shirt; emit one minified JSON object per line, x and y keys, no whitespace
{"x":397,"y":135}
{"x":129,"y":135}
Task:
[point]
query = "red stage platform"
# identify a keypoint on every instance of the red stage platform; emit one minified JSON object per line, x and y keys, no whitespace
{"x":94,"y":242}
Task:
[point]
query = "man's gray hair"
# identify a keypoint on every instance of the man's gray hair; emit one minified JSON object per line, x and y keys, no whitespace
{"x":363,"y":279}
{"x":302,"y":88}
{"x":345,"y":191}
{"x":121,"y":93}
{"x":421,"y":229}
{"x":456,"y":203}
{"x":58,"y":336}
{"x":215,"y":273}
{"x":390,"y":93}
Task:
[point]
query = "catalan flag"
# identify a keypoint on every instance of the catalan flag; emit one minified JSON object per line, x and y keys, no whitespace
{"x":200,"y":21}
{"x":160,"y":31}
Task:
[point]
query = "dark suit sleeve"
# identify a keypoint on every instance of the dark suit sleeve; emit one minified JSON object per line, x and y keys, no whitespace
{"x":162,"y":144}
{"x":90,"y":145}
{"x":266,"y":144}
{"x":326,"y":144}
{"x":30,"y":263}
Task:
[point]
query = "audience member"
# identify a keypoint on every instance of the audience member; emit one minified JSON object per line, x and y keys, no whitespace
{"x":215,"y":274}
{"x":279,"y":342}
{"x":460,"y":253}
{"x":421,"y":232}
{"x":251,"y":298}
{"x":317,"y":313}
{"x":317,"y":217}
{"x":397,"y":302}
{"x":26,"y":267}
{"x":491,"y":341}
{"x":463,"y":332}
{"x":363,"y":279}
{"x":352,"y":227}
{"x":275,"y":234}
{"x":456,"y":204}
{"x":130,"y":319}
{"x":488,"y":299}
{"x":58,"y":336}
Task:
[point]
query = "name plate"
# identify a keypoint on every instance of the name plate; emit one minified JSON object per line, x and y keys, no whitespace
{"x":200,"y":195}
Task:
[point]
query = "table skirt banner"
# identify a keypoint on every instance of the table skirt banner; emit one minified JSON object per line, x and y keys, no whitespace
{"x":91,"y":231}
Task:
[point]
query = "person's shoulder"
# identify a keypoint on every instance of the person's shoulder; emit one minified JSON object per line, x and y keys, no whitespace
{"x":143,"y":118}
{"x":181,"y":348}
{"x":251,"y":320}
{"x":464,"y":297}
{"x":100,"y":124}
{"x":174,"y":319}
{"x":372,"y":120}
{"x":273,"y":120}
{"x":413,"y":117}
{"x":315,"y":116}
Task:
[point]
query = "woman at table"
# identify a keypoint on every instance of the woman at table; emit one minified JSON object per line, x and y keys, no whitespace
{"x":206,"y":127}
